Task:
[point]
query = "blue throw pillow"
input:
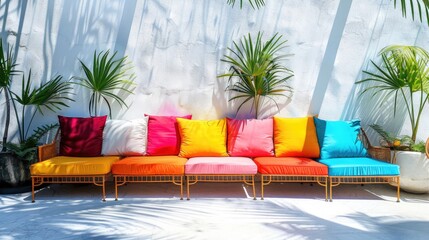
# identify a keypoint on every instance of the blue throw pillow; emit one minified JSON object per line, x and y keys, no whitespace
{"x":339,"y":139}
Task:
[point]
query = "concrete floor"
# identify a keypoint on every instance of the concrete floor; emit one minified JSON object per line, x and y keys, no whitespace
{"x":215,"y":211}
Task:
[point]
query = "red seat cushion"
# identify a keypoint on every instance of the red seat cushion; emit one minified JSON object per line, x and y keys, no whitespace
{"x":290,"y":166}
{"x":81,"y":137}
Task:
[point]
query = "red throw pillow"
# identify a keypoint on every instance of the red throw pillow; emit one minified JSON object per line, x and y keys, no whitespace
{"x":163,"y":137}
{"x":81,"y":137}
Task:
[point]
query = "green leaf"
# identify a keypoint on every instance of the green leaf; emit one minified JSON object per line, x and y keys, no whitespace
{"x":106,"y":79}
{"x":256,"y":69}
{"x":402,"y":72}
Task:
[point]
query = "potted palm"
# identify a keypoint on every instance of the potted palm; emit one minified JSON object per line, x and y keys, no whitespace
{"x":404,"y":74}
{"x":17,"y":156}
{"x":107,"y":79}
{"x":256,"y":71}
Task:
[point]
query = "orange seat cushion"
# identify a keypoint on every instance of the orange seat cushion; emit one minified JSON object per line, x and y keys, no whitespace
{"x":290,"y":166}
{"x":75,"y":166}
{"x":150,"y":165}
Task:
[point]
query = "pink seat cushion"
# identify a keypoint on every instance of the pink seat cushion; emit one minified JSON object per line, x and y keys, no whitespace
{"x":220,"y":165}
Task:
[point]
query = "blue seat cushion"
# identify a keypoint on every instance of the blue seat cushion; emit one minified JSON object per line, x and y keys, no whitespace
{"x":359,"y":166}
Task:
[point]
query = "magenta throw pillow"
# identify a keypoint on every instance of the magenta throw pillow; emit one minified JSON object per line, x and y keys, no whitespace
{"x":81,"y":137}
{"x":250,"y":137}
{"x":163,"y":137}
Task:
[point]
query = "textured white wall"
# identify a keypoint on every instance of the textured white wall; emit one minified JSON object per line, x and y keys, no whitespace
{"x":176,"y":47}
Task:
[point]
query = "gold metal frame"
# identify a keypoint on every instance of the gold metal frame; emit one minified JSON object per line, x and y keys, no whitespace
{"x":121,"y":180}
{"x":322,"y":180}
{"x":337,"y":180}
{"x":192,"y":179}
{"x":97,"y":180}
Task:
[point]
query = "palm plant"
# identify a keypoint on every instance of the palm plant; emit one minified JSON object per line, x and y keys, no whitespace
{"x":403,"y":72}
{"x":50,"y":95}
{"x":106,"y":77}
{"x":253,"y":3}
{"x":256,"y":70}
{"x":420,"y":6}
{"x":7,"y":71}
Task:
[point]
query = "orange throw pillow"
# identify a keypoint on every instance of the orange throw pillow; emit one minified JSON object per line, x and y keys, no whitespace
{"x":295,"y":137}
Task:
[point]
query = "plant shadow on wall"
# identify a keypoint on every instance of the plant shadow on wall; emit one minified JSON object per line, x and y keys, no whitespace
{"x":257,"y":73}
{"x":109,"y":80}
{"x":254,"y":3}
{"x":17,"y":156}
{"x":404,"y":74}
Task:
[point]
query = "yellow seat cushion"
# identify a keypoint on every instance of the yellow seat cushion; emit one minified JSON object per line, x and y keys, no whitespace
{"x":295,"y":137}
{"x":64,"y":165}
{"x":202,"y":138}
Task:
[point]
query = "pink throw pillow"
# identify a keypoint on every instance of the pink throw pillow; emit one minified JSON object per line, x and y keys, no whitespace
{"x":163,"y":137}
{"x":81,"y":137}
{"x":250,"y":138}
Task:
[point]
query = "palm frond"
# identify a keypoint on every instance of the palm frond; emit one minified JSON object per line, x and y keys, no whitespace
{"x":256,"y":69}
{"x":403,"y":71}
{"x":420,"y":7}
{"x":107,"y":77}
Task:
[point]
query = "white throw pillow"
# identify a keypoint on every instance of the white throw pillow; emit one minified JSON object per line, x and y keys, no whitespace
{"x":125,"y":137}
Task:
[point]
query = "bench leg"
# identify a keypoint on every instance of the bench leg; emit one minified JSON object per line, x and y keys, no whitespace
{"x":187,"y":188}
{"x":181,"y":187}
{"x":253,"y":186}
{"x":326,"y":189}
{"x":116,"y":188}
{"x":32,"y":190}
{"x":104,"y":190}
{"x":398,"y":191}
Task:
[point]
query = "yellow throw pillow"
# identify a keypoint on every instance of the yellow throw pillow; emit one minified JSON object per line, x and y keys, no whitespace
{"x":295,"y":137}
{"x":202,"y":138}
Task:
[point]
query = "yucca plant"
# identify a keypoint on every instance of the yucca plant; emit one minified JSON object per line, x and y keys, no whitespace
{"x":253,"y":3}
{"x":403,"y":73}
{"x":256,"y":70}
{"x":7,"y":71}
{"x":106,"y":79}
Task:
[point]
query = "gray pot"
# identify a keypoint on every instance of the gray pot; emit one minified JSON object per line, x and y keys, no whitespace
{"x":13,"y":171}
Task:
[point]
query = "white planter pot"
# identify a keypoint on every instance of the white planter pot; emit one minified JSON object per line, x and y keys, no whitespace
{"x":414,"y":167}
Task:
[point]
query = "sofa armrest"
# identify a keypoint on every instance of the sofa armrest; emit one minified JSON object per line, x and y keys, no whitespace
{"x":380,"y":153}
{"x":376,"y":152}
{"x":427,"y":148}
{"x":49,"y":150}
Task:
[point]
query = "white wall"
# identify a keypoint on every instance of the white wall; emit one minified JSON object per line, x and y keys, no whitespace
{"x":176,"y":47}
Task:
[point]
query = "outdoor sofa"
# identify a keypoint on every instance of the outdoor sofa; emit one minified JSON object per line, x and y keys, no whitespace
{"x":184,"y":151}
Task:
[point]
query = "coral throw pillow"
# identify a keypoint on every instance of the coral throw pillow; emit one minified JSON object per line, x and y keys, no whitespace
{"x":202,"y":138}
{"x":81,"y":137}
{"x":250,"y":137}
{"x":125,"y":137}
{"x":339,"y":139}
{"x":295,"y":137}
{"x":163,"y":135}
